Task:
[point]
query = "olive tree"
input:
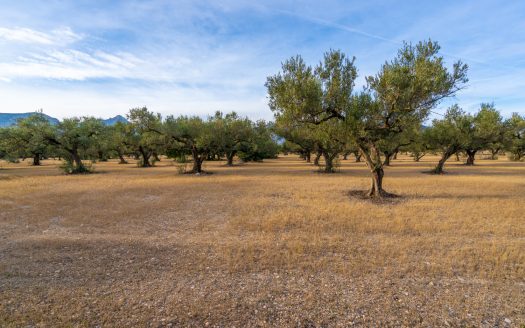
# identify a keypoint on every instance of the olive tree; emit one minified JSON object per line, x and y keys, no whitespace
{"x":261,"y":144}
{"x":448,"y":135}
{"x":191,"y":135}
{"x":73,"y":137}
{"x":27,"y":138}
{"x":230,"y":131}
{"x":140,"y":134}
{"x":515,"y":141}
{"x":399,"y":96}
{"x":487,"y":130}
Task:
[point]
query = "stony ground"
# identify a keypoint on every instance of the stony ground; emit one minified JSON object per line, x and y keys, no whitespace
{"x":262,"y":245}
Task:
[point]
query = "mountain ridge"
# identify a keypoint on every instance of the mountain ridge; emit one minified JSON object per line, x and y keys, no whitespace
{"x":9,"y":119}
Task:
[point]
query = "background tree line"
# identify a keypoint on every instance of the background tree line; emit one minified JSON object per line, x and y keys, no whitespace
{"x":146,"y":137}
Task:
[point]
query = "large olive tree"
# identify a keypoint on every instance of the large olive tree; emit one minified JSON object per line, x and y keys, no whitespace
{"x":399,"y":96}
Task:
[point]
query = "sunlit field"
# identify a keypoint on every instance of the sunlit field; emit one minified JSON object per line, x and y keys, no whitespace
{"x":262,"y":244}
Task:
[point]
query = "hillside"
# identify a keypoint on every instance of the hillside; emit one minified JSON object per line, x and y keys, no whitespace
{"x":8,"y":119}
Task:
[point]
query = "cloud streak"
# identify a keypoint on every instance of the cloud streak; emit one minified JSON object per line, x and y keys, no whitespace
{"x":59,"y":36}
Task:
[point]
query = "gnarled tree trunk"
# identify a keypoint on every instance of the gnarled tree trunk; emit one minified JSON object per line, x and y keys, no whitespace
{"x":373,"y":161}
{"x":444,"y":157}
{"x":376,"y":187}
{"x":197,"y":160}
{"x":328,"y":162}
{"x":317,"y":157}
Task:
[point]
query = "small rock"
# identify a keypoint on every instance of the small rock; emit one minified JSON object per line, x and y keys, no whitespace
{"x":507,"y":321}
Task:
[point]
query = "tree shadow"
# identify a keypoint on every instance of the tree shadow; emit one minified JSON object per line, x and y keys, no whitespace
{"x":386,"y":199}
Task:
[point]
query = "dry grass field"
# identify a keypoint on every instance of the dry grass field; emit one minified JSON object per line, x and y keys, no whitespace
{"x":262,"y":245}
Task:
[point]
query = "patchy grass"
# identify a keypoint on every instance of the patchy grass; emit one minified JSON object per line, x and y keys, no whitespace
{"x":262,"y":244}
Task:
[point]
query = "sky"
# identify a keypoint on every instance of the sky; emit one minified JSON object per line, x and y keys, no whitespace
{"x":101,"y":58}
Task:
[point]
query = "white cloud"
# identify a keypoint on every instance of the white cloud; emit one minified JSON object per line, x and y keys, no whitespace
{"x":71,"y":64}
{"x":59,"y":36}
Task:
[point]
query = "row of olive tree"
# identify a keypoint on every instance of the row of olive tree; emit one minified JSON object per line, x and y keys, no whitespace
{"x":145,"y":137}
{"x":457,"y":132}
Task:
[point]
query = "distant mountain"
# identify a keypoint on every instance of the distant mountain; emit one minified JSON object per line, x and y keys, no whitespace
{"x":114,"y":120}
{"x":8,"y":119}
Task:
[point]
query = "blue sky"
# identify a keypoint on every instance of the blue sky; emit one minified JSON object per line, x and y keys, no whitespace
{"x":101,"y":58}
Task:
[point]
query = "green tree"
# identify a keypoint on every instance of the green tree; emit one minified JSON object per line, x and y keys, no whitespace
{"x":261,"y":145}
{"x":449,"y":134}
{"x":118,"y":137}
{"x":73,"y":137}
{"x":191,"y":135}
{"x":230,"y":131}
{"x":399,"y":96}
{"x":298,"y":138}
{"x":515,"y":141}
{"x":27,"y":138}
{"x":487,"y":130}
{"x":419,"y":145}
{"x":141,"y":135}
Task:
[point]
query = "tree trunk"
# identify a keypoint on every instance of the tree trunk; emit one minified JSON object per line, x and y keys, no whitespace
{"x":328,"y":163}
{"x":373,"y":161}
{"x":76,"y":159}
{"x":395,"y":155}
{"x":317,"y":157}
{"x":494,"y":153}
{"x":156,"y":157}
{"x":387,"y":159}
{"x":145,"y":157}
{"x":308,"y":157}
{"x":470,"y":157}
{"x":418,"y":156}
{"x":229,"y":158}
{"x":376,"y":187}
{"x":197,"y":161}
{"x":446,"y":155}
{"x":345,"y":156}
{"x":357,"y":155}
{"x":36,"y":159}
{"x":122,"y":159}
{"x":457,"y":157}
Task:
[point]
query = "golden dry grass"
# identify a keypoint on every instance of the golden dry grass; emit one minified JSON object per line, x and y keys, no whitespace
{"x":262,"y":244}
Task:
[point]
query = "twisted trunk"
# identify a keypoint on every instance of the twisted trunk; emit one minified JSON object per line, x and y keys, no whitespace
{"x":376,"y":187}
{"x":197,"y":160}
{"x":444,"y":157}
{"x":317,"y":157}
{"x":373,"y":161}
{"x":329,"y":162}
